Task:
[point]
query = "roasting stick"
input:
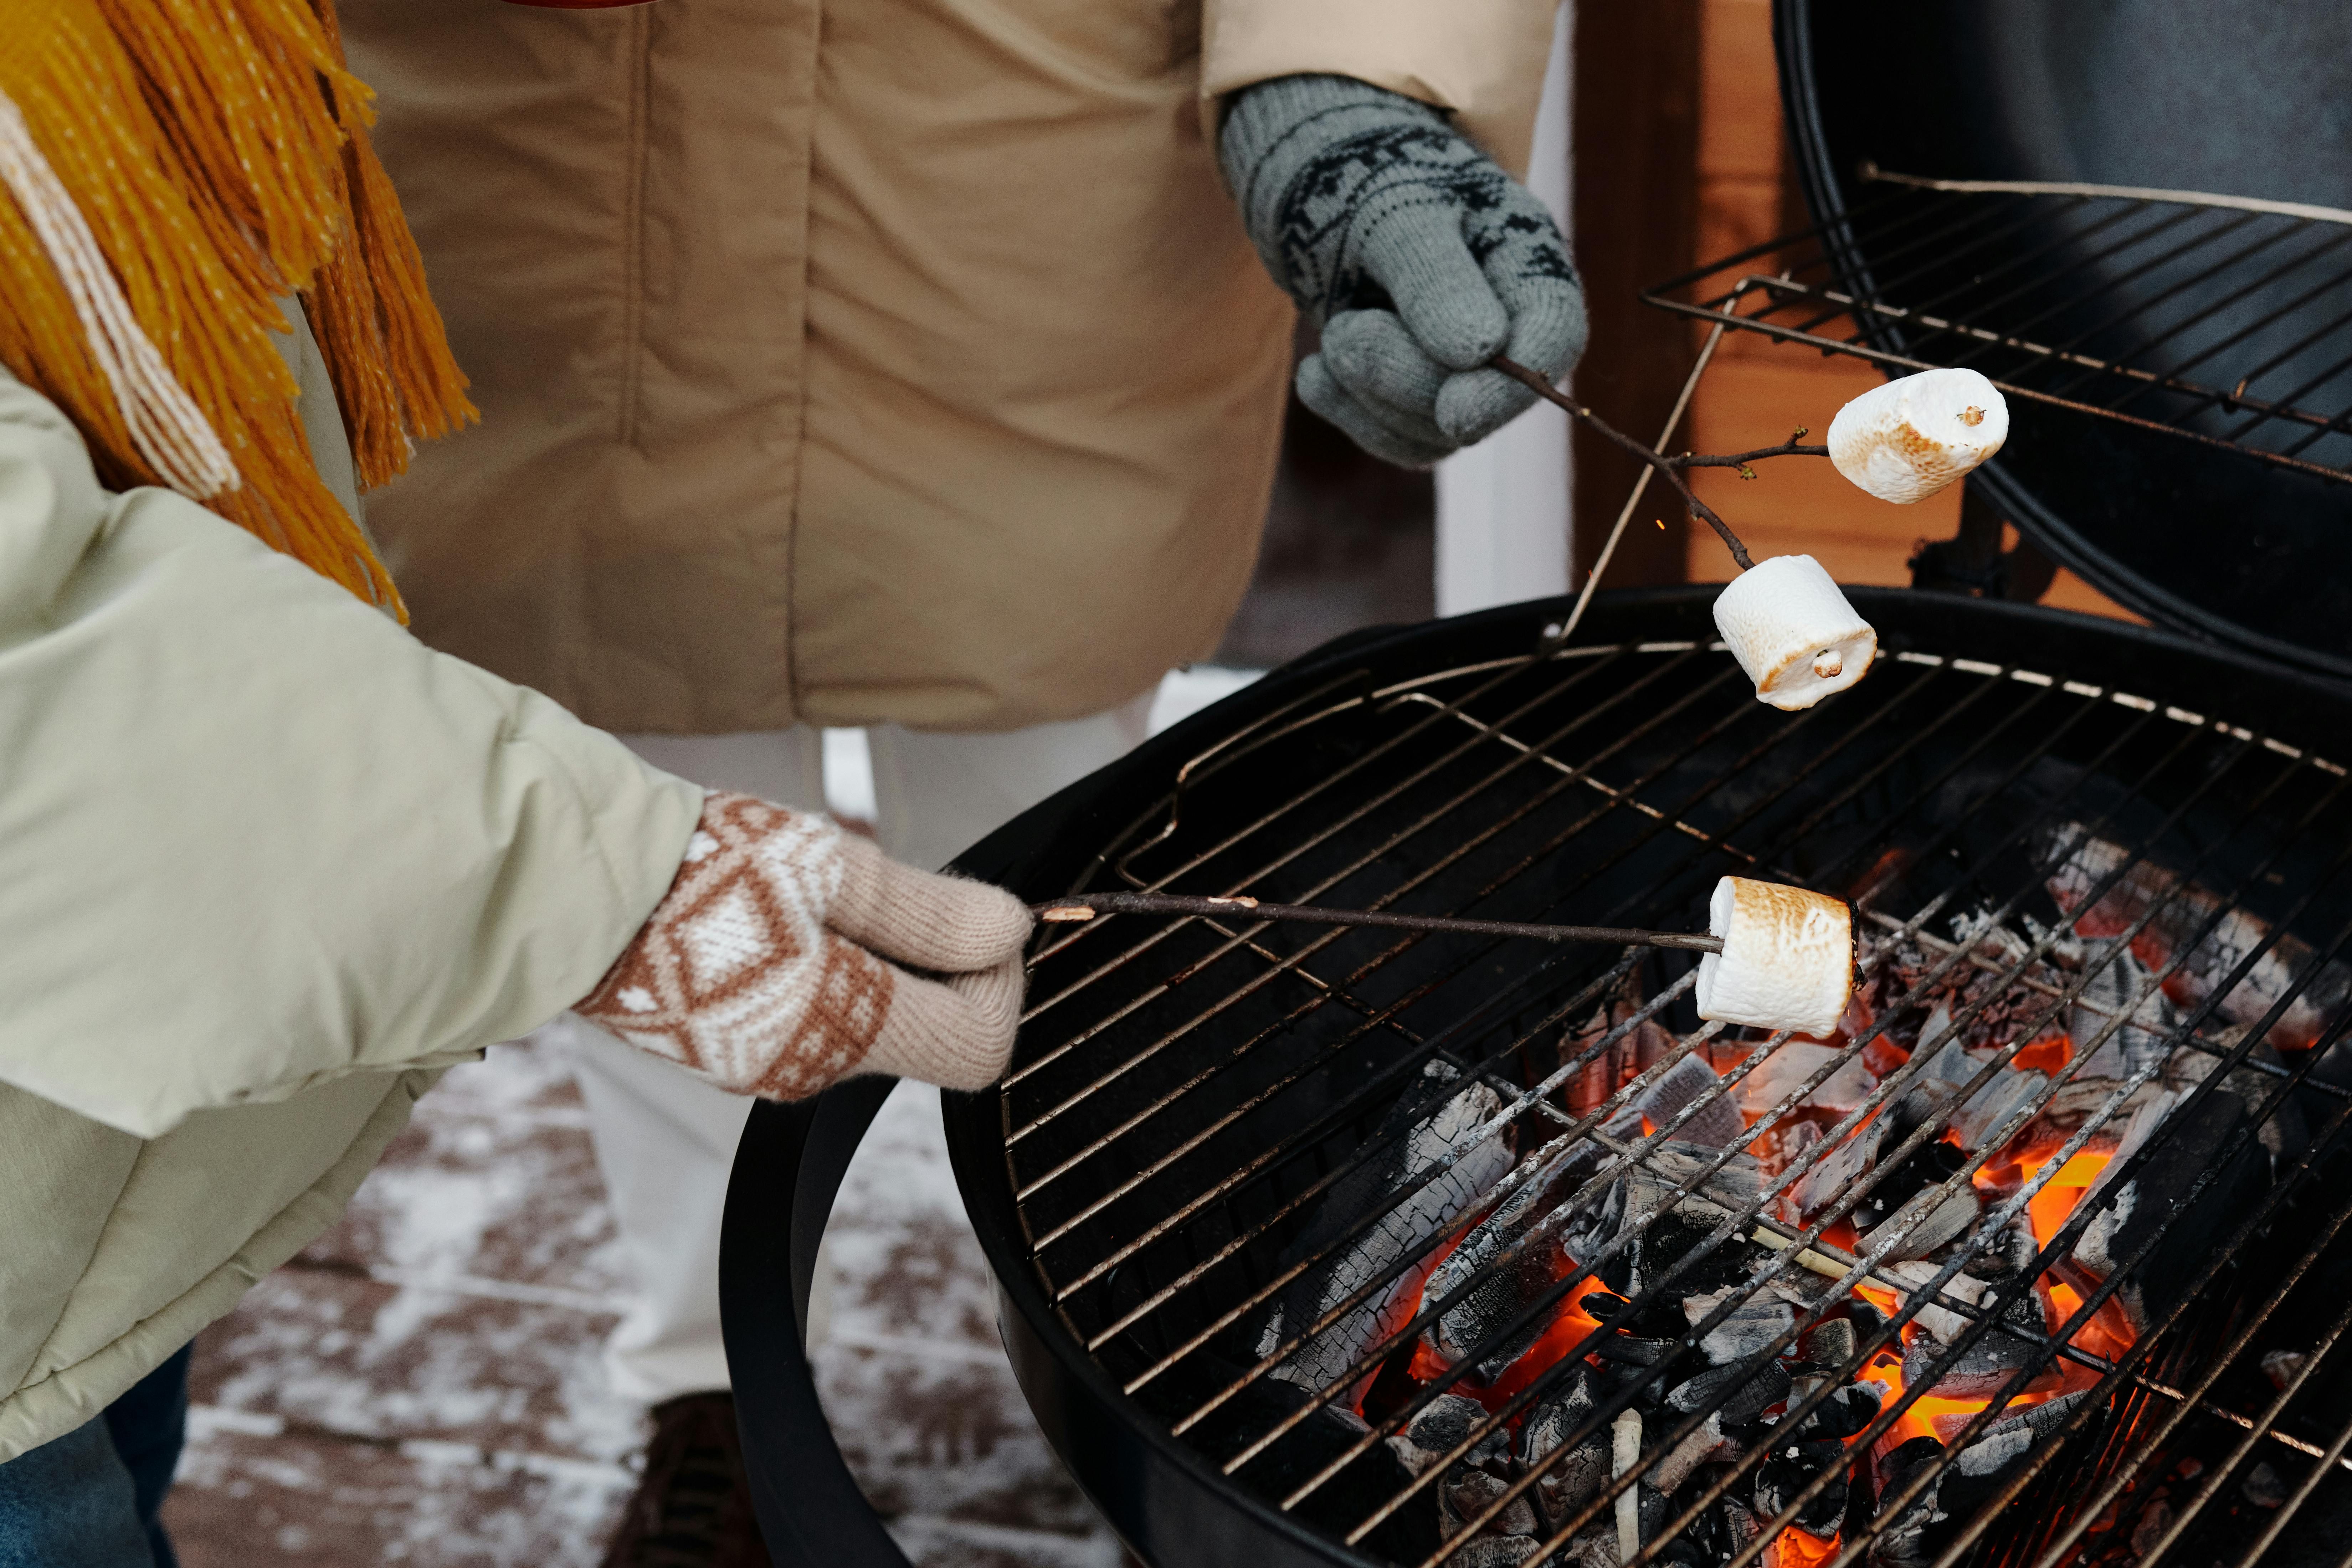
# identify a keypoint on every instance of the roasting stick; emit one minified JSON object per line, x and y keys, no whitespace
{"x":1086,"y":906}
{"x":1641,"y":485}
{"x":1671,"y":468}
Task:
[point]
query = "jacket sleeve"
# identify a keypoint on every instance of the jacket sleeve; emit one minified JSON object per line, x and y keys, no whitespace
{"x":1483,"y":59}
{"x":253,"y":835}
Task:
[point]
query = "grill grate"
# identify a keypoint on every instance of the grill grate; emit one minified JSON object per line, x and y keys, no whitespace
{"x":1192,"y":1097}
{"x":2216,"y":319}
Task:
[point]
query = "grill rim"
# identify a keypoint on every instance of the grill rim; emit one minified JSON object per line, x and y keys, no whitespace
{"x":1171,"y":1503}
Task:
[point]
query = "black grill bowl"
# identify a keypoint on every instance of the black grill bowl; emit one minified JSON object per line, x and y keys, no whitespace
{"x":1924,"y":744}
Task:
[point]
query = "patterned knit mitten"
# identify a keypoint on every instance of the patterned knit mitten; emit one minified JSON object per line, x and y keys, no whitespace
{"x":774,"y":966}
{"x":1416,"y":253}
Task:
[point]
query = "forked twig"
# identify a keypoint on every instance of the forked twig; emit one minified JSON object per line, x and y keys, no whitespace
{"x":1671,"y":467}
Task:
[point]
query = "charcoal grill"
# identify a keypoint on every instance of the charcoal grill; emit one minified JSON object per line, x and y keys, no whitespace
{"x":1199,"y":1106}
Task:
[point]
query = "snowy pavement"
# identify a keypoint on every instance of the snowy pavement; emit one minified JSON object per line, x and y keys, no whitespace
{"x":423,"y":1385}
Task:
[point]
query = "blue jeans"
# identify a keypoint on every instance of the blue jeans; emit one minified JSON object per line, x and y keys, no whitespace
{"x":90,"y":1498}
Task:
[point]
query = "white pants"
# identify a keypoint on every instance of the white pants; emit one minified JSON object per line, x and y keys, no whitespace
{"x":665,"y":1142}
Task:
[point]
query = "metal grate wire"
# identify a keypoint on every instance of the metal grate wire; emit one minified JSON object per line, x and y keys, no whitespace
{"x":1189,"y":1091}
{"x":2216,"y":319}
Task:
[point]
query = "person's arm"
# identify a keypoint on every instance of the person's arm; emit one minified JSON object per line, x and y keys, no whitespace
{"x":1371,"y":156}
{"x":254,"y":836}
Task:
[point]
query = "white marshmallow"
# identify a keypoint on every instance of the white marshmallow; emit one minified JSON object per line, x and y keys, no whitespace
{"x":1909,"y":438}
{"x":1793,"y":632}
{"x":1786,"y":961}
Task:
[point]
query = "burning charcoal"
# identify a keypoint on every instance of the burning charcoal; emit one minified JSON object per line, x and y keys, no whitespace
{"x":1794,"y":1467}
{"x":1706,"y":1446}
{"x":1916,"y":1534}
{"x":1835,"y":1171}
{"x":2282,"y":1366}
{"x":1740,"y":1526}
{"x":2081,"y":862}
{"x":1439,"y":1427}
{"x":2153,"y":1520}
{"x":1501,"y":1293}
{"x":2263,"y":1489}
{"x":1788,"y":1069}
{"x":1570,"y":1476}
{"x":2012,"y":1253}
{"x":1594,"y":1546}
{"x":1939,"y":1080}
{"x":1715,"y":1125}
{"x":1494,"y":1551}
{"x":1661,"y":1257}
{"x":1942,"y":1322}
{"x":2186,"y":1148}
{"x":1830,"y":1344}
{"x":1993,"y":1107}
{"x":1476,"y":1479}
{"x":2012,"y":1435}
{"x":1979,"y":1371}
{"x":1753,"y":1324}
{"x":1721,"y":1389}
{"x":1671,"y":1163}
{"x":2115,"y":989}
{"x":1413,"y":1216}
{"x":1636,"y":1362}
{"x":1927,"y":1222}
{"x":1898,"y":1196}
{"x":1927,"y":1165}
{"x":1467,"y":1492}
{"x":1843,"y":1413}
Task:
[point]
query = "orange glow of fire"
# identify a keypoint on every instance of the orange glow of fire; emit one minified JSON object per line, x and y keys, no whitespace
{"x":1570,"y":1325}
{"x":2107,"y":1333}
{"x":1794,"y":1548}
{"x":2048,"y":1055}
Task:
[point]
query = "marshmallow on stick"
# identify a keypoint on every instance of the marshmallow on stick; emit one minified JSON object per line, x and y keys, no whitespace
{"x":1786,"y":961}
{"x":1793,"y":633}
{"x":1909,"y":438}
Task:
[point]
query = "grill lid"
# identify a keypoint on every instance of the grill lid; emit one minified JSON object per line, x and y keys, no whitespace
{"x":2229,"y":545}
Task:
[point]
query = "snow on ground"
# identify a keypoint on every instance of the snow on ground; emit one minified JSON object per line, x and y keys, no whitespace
{"x":423,"y":1385}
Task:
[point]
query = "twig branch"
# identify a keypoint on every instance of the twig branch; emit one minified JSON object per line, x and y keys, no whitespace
{"x":1788,"y":448}
{"x":1086,"y":906}
{"x":1669,"y":469}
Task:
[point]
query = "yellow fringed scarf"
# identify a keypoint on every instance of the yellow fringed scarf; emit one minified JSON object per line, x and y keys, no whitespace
{"x":216,"y":153}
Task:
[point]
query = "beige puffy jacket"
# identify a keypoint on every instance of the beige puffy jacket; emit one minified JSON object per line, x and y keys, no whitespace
{"x":267,"y":864}
{"x":844,"y":361}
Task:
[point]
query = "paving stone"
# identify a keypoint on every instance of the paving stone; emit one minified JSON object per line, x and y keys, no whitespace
{"x":423,"y":1385}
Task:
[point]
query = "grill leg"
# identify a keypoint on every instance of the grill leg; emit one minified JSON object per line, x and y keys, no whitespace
{"x":1972,"y":562}
{"x":788,"y":1168}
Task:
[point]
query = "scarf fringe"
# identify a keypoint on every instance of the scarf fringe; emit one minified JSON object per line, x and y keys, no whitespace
{"x":213,"y":153}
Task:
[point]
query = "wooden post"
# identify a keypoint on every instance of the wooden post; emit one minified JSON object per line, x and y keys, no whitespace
{"x":1636,"y":204}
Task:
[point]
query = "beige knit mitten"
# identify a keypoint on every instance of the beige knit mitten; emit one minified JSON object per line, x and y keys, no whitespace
{"x":774,"y":966}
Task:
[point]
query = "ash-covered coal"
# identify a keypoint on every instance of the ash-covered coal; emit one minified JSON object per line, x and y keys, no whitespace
{"x":1994,"y":1086}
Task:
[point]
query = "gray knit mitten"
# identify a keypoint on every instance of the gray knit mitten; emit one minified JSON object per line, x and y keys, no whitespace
{"x":1419,"y":257}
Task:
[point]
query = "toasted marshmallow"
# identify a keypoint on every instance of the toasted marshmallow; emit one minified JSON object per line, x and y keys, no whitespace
{"x":1793,"y":632}
{"x":1905,"y":441}
{"x":1786,"y":961}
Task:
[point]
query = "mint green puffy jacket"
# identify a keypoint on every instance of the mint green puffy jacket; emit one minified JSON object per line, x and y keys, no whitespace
{"x":266,"y":864}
